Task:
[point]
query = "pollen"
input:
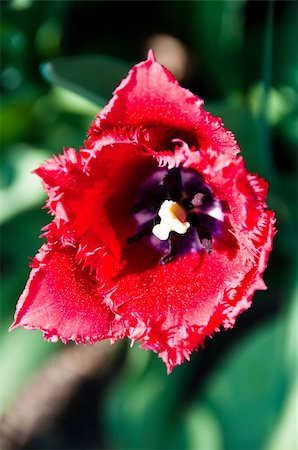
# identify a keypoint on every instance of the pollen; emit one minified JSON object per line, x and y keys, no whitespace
{"x":173,"y":218}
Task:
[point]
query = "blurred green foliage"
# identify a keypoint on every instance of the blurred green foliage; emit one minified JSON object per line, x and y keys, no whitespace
{"x":241,"y":392}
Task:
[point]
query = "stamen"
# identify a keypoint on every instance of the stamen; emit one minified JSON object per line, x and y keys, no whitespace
{"x":205,"y":238}
{"x":173,"y":182}
{"x":145,"y":230}
{"x":173,"y":249}
{"x":172,"y":219}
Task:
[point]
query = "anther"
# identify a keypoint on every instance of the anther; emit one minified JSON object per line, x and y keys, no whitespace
{"x":173,"y":249}
{"x":207,"y":245}
{"x":198,"y":199}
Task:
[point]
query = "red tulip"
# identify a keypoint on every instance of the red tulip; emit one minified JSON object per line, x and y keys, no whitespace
{"x":159,"y":232}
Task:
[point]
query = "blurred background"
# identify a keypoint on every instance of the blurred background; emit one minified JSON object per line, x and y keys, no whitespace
{"x":60,"y":62}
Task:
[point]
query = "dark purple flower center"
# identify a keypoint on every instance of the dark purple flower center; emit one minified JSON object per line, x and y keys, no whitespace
{"x":177,"y":211}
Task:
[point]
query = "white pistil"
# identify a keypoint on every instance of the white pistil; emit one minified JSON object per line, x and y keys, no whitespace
{"x":172,"y":219}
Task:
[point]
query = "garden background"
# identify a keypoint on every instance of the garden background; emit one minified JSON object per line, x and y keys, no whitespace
{"x":61,"y":61}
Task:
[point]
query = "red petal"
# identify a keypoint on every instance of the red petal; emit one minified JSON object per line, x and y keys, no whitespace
{"x":90,"y":197}
{"x":63,"y":179}
{"x":62,"y":301}
{"x":151,"y":97}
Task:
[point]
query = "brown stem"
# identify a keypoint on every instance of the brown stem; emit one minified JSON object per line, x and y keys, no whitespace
{"x":48,"y":392}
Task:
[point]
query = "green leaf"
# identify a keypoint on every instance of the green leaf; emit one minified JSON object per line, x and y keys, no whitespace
{"x":71,"y":103}
{"x":25,"y":191}
{"x":22,"y":353}
{"x":285,"y":47}
{"x":140,"y":410}
{"x":237,"y":117}
{"x":217,"y":33}
{"x":248,"y":390}
{"x":20,"y":237}
{"x":203,"y":429}
{"x":284,"y":435}
{"x":93,"y":77}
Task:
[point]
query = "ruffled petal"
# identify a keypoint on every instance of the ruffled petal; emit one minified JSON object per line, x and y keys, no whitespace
{"x":91,"y":199}
{"x":63,"y":179}
{"x":151,"y":97}
{"x":62,"y":301}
